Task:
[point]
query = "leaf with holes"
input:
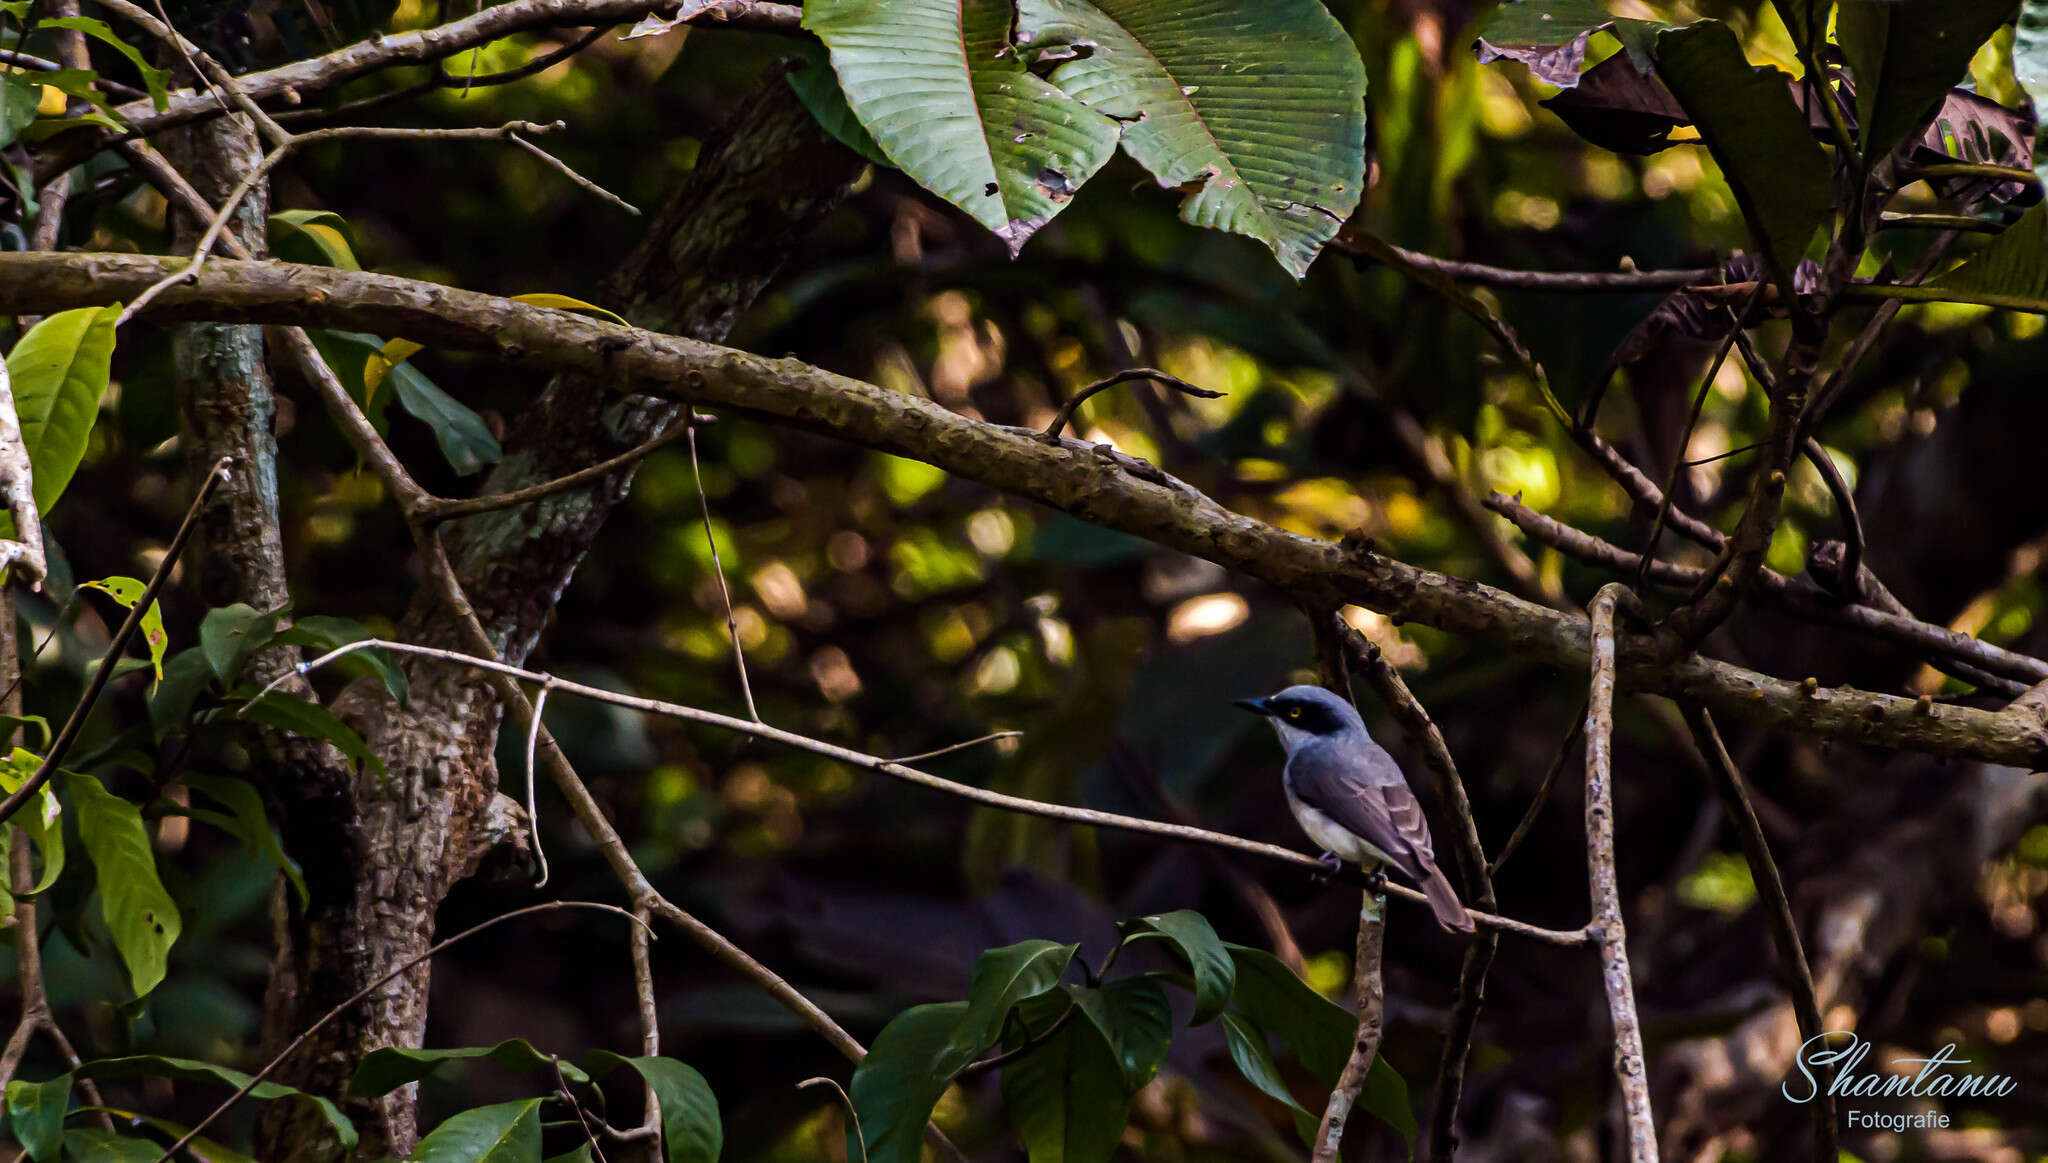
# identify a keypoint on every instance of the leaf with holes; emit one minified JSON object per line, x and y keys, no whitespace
{"x":944,"y":95}
{"x":1256,"y":110}
{"x":139,"y":913}
{"x":1550,"y":37}
{"x":128,"y":591}
{"x":60,"y":369}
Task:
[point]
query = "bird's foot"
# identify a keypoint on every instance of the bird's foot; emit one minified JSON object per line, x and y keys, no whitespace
{"x":1332,"y":865}
{"x":1376,"y":880}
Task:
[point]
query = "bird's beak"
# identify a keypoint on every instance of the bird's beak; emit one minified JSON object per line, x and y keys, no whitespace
{"x":1255,"y":706}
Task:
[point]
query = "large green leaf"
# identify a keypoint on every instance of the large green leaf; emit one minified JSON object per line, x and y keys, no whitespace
{"x":507,"y":1132}
{"x":1806,"y":20}
{"x":139,"y":913}
{"x":1002,"y":978}
{"x":937,"y":85}
{"x":1904,"y":55}
{"x":19,"y":99}
{"x":690,"y":1125}
{"x":1780,"y":175}
{"x":1549,"y":36}
{"x":186,"y":1070}
{"x":2014,"y":264}
{"x":1258,"y":108}
{"x":1196,"y":939}
{"x":1067,"y":1098}
{"x":1318,"y":1030}
{"x":92,"y":1145}
{"x":35,"y":1113}
{"x":185,"y":677}
{"x":153,"y":78}
{"x":896,"y":1086}
{"x":128,"y":591}
{"x":60,"y":370}
{"x":1136,"y":1020}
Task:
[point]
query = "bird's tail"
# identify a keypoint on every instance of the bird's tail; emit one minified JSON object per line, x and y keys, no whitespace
{"x":1443,"y":901}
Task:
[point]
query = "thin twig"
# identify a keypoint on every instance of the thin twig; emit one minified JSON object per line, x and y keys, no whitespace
{"x":68,"y":734}
{"x":732,"y":626}
{"x":540,"y":702}
{"x":1369,"y":989}
{"x":876,"y":763}
{"x":1542,"y":796}
{"x":434,"y":509}
{"x":337,"y":1011}
{"x":563,"y":168}
{"x":1607,"y":927}
{"x":963,"y":745}
{"x":1851,"y":573}
{"x":1066,"y":412}
{"x":1763,"y":870}
{"x":1626,"y":282}
{"x":845,"y":1101}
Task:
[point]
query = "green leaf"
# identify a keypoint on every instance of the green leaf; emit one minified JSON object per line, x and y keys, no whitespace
{"x":818,"y":88}
{"x":127,"y":591}
{"x":185,"y":677}
{"x":41,"y":822}
{"x":1258,"y":108}
{"x":1780,"y":175}
{"x":187,"y":1070}
{"x":92,"y":1145}
{"x":139,"y":913}
{"x":299,"y":717}
{"x":1549,"y":36}
{"x":1067,"y":1098}
{"x":950,"y":104}
{"x":201,"y":1149}
{"x":896,"y":1086}
{"x":229,"y":634}
{"x":508,"y":1132}
{"x":579,"y":1154}
{"x":35,"y":1113}
{"x":19,"y":99}
{"x":1191,"y":932}
{"x":1318,"y":1030}
{"x":1136,"y":1020}
{"x":1905,"y":55}
{"x":60,"y":370}
{"x":9,"y":724}
{"x":387,"y":1068}
{"x":316,"y":237}
{"x":1806,"y":20}
{"x":1248,"y":1051}
{"x":322,"y":634}
{"x":464,"y":439}
{"x":153,"y":78}
{"x":1002,"y":978}
{"x":690,"y":1125}
{"x":2013,"y":264}
{"x":1384,"y":1096}
{"x":248,"y":822}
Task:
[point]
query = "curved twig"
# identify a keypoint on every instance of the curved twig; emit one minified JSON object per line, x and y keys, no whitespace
{"x":1066,"y":412}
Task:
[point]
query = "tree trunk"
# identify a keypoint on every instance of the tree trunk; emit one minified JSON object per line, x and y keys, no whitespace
{"x":757,"y":190}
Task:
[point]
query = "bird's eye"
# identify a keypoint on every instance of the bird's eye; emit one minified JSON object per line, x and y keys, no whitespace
{"x":1294,"y":712}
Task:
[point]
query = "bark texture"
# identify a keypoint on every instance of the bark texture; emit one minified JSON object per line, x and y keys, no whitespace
{"x":735,"y":218}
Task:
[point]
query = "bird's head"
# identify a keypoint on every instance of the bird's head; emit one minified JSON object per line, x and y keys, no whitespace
{"x":1301,"y":713}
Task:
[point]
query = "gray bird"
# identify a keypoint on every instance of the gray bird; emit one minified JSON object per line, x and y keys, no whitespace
{"x":1349,"y":795}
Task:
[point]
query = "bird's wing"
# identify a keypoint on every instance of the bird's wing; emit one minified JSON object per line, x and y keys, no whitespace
{"x":1369,"y":797}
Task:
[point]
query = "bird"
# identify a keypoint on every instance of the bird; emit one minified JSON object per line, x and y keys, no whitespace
{"x":1349,"y":795}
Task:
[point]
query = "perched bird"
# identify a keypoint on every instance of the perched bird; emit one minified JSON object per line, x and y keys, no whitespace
{"x":1349,"y":795}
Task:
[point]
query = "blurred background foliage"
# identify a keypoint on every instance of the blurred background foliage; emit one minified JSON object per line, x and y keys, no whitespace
{"x":887,"y":607}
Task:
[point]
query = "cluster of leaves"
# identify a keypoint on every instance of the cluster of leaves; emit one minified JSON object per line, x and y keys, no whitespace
{"x":36,"y":106}
{"x":1891,"y":79}
{"x":1255,"y":112}
{"x":1073,"y":1055}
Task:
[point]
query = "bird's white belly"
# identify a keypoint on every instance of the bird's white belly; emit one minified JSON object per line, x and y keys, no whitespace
{"x":1334,"y":836}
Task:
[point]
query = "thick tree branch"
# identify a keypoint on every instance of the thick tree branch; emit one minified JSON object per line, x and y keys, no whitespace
{"x":1095,"y":484}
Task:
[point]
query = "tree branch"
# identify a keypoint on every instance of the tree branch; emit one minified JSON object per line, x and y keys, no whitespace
{"x":1096,"y":485}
